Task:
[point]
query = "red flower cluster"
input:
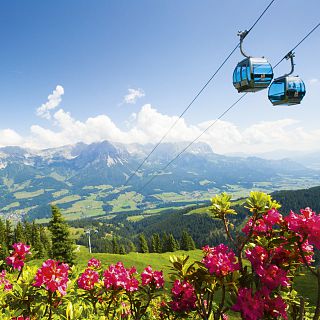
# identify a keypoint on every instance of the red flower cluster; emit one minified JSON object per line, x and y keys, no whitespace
{"x":254,"y":307}
{"x":152,"y":277}
{"x":117,"y":277}
{"x":306,"y":224}
{"x":270,"y":274}
{"x":265,"y":224}
{"x":6,"y":282}
{"x":87,"y":279}
{"x":220,"y":260}
{"x":21,"y":318}
{"x":18,"y":255}
{"x":94,"y":263}
{"x":54,"y":275}
{"x":183,"y":297}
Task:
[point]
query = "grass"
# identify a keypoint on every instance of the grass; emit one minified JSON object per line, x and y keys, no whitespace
{"x":25,"y":194}
{"x":73,"y":197}
{"x":158,"y":261}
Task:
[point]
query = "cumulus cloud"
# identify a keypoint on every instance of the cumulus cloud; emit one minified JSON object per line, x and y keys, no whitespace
{"x":149,"y":125}
{"x":133,"y":95}
{"x":54,"y":100}
{"x":9,"y":137}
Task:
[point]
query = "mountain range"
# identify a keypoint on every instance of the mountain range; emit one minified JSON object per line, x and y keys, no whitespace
{"x":90,"y":179}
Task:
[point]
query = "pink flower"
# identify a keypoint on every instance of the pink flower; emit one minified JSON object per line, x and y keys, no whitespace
{"x":87,"y":279}
{"x":272,"y":217}
{"x":54,"y":275}
{"x":20,"y":318}
{"x":183,"y":297}
{"x":250,"y":306}
{"x":257,"y":256}
{"x":94,"y":263}
{"x":306,"y":224}
{"x":6,"y":282}
{"x":273,"y":276}
{"x":117,"y":277}
{"x":275,"y":307}
{"x":154,"y":278}
{"x":259,"y":227}
{"x":220,"y":260}
{"x":20,"y":250}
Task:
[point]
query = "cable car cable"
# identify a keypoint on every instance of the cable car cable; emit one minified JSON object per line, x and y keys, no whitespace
{"x":196,"y":97}
{"x":211,"y":125}
{"x":193,"y":141}
{"x":298,"y":44}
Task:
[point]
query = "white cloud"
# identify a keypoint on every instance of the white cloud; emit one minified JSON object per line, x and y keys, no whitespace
{"x":9,"y":137}
{"x":133,"y":95}
{"x":54,"y":100}
{"x":149,"y":125}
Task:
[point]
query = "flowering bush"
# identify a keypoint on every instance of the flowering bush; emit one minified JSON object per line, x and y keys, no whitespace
{"x":252,"y":277}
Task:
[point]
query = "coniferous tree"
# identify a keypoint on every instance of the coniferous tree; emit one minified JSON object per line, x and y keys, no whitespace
{"x":45,"y":240}
{"x":27,"y":232}
{"x":172,"y":243}
{"x":115,"y":245}
{"x":9,"y":234}
{"x":3,"y":243}
{"x":143,"y":243}
{"x":156,"y":243}
{"x":122,"y":249}
{"x":62,"y":245}
{"x":19,"y":234}
{"x":36,"y":242}
{"x":132,"y":247}
{"x":187,"y":243}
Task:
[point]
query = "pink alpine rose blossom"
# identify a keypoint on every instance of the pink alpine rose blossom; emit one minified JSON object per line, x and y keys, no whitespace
{"x":183,"y":297}
{"x":20,"y":251}
{"x":94,"y":263}
{"x":220,"y":260}
{"x":152,"y":277}
{"x":88,"y":279}
{"x":53,"y":275}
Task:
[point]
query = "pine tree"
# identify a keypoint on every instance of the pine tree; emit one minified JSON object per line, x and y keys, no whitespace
{"x":122,"y":249}
{"x":36,"y":241}
{"x":9,"y":234}
{"x":62,"y":245}
{"x":143,"y":243}
{"x":3,"y":243}
{"x":19,"y":235}
{"x":27,"y":232}
{"x":132,"y":247}
{"x":45,"y":240}
{"x":187,"y":243}
{"x":115,"y":245}
{"x":156,"y":243}
{"x":172,"y":243}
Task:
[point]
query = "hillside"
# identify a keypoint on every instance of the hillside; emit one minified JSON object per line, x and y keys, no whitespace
{"x":89,"y":180}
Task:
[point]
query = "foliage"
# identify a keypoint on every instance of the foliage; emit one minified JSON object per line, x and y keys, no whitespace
{"x":62,"y":245}
{"x":253,"y":278}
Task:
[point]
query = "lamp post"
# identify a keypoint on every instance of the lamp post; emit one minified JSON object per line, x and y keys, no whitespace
{"x":88,"y":232}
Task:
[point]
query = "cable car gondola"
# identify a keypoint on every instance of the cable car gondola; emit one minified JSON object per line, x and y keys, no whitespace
{"x":251,"y":74}
{"x":287,"y":90}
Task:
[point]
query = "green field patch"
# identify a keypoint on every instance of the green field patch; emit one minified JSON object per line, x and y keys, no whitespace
{"x":73,"y":197}
{"x":11,"y":205}
{"x":126,"y":202}
{"x":138,"y":217}
{"x":60,"y":193}
{"x":25,"y":194}
{"x":99,"y":187}
{"x":83,"y":209}
{"x":204,"y":182}
{"x":57,"y":176}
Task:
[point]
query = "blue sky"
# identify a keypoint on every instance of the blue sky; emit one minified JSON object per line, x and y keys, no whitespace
{"x":166,"y":50}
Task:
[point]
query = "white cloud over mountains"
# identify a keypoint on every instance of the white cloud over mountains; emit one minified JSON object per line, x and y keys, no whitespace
{"x":54,"y":100}
{"x":149,"y":125}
